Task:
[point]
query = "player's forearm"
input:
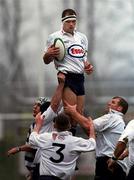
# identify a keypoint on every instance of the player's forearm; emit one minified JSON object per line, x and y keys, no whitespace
{"x":83,"y":121}
{"x":91,"y":129}
{"x":25,"y":147}
{"x":56,"y":99}
{"x":47,"y":58}
{"x":120,"y":147}
{"x":37,"y":128}
{"x":124,"y":154}
{"x":17,"y":149}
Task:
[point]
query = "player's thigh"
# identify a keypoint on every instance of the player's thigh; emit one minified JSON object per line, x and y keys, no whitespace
{"x":72,"y":98}
{"x":69,"y":96}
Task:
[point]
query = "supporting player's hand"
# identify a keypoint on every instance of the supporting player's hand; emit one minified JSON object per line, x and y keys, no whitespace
{"x":39,"y":122}
{"x":29,"y":176}
{"x":111,"y":164}
{"x":69,"y":109}
{"x":88,"y":68}
{"x":61,"y":77}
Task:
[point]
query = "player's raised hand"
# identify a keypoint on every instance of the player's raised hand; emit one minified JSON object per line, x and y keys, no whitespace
{"x":61,"y":77}
{"x":38,"y":119}
{"x":39,"y":122}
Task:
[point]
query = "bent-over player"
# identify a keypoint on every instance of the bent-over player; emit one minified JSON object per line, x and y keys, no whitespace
{"x":59,"y":149}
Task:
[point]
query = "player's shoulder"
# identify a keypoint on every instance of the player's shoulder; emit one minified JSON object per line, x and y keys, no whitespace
{"x":55,"y":34}
{"x":131,"y":123}
{"x":82,"y":35}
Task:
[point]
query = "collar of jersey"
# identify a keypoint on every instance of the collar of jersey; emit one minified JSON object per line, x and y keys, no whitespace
{"x":111,"y":111}
{"x":65,"y":33}
{"x":65,"y":133}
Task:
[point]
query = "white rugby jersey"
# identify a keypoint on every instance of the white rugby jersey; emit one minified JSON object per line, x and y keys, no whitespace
{"x":109,"y":128}
{"x":59,"y":152}
{"x":129,"y":134}
{"x":76,"y":51}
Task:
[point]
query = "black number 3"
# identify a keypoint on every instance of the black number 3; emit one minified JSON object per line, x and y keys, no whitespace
{"x":61,"y":155}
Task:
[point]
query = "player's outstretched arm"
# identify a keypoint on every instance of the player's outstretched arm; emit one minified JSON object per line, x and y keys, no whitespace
{"x":17,"y":149}
{"x":120,"y":147}
{"x":124,"y":154}
{"x":84,"y":122}
{"x":56,"y":99}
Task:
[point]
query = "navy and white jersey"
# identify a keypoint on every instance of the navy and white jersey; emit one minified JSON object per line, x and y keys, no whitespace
{"x":29,"y":156}
{"x":59,"y":152}
{"x":128,"y":134}
{"x":109,"y":128}
{"x":32,"y":158}
{"x":76,"y":51}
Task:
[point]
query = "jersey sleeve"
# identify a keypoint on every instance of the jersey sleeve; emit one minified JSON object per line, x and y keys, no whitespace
{"x":48,"y":115}
{"x":86,"y":47}
{"x":49,"y":42}
{"x":128,"y":133}
{"x":84,"y":145}
{"x":102,"y":122}
{"x":38,"y":140}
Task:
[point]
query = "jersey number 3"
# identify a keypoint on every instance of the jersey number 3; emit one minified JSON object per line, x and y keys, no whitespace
{"x":59,"y":152}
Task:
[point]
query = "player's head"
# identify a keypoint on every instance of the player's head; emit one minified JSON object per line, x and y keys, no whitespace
{"x":119,"y":104}
{"x":68,"y":13}
{"x":62,"y":122}
{"x":69,"y":20}
{"x":41,"y":104}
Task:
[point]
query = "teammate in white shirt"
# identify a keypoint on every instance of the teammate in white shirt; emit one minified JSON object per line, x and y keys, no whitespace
{"x":108,"y":130}
{"x":75,"y":62}
{"x":59,"y":149}
{"x":126,"y":139}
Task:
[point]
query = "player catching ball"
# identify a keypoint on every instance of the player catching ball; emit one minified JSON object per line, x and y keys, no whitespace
{"x":75,"y":61}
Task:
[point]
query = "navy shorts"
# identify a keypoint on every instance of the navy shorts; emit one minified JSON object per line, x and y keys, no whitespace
{"x":76,"y":83}
{"x":47,"y":177}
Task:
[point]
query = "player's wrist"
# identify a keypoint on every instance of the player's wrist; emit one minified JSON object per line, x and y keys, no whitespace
{"x":48,"y":58}
{"x":18,"y":148}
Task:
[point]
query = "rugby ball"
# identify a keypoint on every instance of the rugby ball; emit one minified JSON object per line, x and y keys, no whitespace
{"x":58,"y":42}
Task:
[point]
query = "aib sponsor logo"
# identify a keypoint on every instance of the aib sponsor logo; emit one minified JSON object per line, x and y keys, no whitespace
{"x":76,"y":51}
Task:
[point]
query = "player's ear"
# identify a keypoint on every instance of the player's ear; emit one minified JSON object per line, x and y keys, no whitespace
{"x":120,"y":108}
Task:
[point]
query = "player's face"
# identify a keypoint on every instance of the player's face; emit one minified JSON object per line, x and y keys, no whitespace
{"x":69,"y":26}
{"x":113,"y":104}
{"x":36,"y":109}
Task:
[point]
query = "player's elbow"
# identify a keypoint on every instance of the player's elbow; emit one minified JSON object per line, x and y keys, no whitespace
{"x":86,"y":125}
{"x":45,"y":60}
